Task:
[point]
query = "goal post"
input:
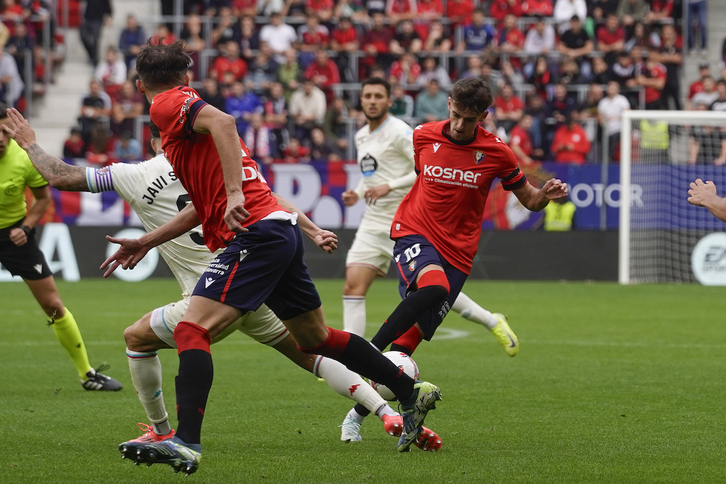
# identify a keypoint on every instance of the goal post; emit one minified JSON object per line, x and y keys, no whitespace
{"x":661,"y":152}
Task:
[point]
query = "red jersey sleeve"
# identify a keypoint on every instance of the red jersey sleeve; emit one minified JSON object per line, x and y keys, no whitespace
{"x":511,"y":175}
{"x":175,"y":113}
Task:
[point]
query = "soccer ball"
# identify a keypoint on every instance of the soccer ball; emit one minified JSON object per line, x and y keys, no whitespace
{"x":402,"y":360}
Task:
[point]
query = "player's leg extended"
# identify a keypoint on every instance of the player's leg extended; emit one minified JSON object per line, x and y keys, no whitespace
{"x":358,"y":279}
{"x":64,"y":324}
{"x":142,"y":344}
{"x":495,"y":322}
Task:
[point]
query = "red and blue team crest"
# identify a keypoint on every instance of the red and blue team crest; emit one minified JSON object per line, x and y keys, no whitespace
{"x":478,"y":156}
{"x":412,"y":265}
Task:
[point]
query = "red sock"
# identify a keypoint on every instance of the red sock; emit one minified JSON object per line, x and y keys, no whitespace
{"x":189,"y":336}
{"x":332,"y":347}
{"x":408,"y":342}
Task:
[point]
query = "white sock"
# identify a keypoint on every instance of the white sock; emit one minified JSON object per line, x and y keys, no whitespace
{"x":145,"y":371}
{"x":347,"y":383}
{"x":470,"y":310}
{"x":355,"y":415}
{"x":385,"y":410}
{"x":354,"y":314}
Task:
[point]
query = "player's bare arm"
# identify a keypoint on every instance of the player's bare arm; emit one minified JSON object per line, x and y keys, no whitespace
{"x":60,"y":175}
{"x":536,"y":199}
{"x":132,"y":251}
{"x":223,"y":129}
{"x":704,"y":194}
{"x":325,"y":239}
{"x":35,"y":213}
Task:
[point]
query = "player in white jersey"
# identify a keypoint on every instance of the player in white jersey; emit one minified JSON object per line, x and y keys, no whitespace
{"x":385,"y":157}
{"x":153,"y":191}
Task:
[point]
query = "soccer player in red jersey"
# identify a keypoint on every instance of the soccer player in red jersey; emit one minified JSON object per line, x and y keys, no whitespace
{"x":456,"y":161}
{"x":262,"y":262}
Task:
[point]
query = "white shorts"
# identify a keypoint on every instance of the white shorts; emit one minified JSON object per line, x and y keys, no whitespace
{"x":261,"y":325}
{"x":372,"y":246}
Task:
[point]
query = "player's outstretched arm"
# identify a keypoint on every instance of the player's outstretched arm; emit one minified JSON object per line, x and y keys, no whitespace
{"x":223,"y":129}
{"x":60,"y":175}
{"x":535,"y":199}
{"x":133,"y":250}
{"x":703,"y":194}
{"x":325,"y":239}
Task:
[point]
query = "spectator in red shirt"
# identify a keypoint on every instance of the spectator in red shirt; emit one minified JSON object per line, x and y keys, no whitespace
{"x":406,"y":39}
{"x":508,"y":108}
{"x":426,"y":12}
{"x":570,"y":144}
{"x":344,"y":40}
{"x":74,"y":147}
{"x":652,"y":75}
{"x":510,"y":39}
{"x":660,"y":10}
{"x":229,"y":61}
{"x":376,"y":42}
{"x":294,"y":152}
{"x":704,"y":70}
{"x":533,"y":8}
{"x":322,"y":8}
{"x":520,"y":141}
{"x":311,"y":37}
{"x":611,"y":38}
{"x":324,"y":73}
{"x":459,"y":12}
{"x":498,"y":9}
{"x":405,"y":70}
{"x":244,"y":8}
{"x":399,"y":10}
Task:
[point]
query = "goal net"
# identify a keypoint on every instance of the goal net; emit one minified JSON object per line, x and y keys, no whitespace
{"x":662,"y":237}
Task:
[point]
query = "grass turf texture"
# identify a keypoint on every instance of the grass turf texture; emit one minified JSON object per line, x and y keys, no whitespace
{"x":612,"y":384}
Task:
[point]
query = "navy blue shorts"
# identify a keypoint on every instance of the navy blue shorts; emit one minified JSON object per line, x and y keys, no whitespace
{"x":411,"y":254}
{"x":264,"y":265}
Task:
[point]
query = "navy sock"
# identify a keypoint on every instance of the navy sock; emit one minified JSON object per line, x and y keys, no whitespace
{"x":192,"y":390}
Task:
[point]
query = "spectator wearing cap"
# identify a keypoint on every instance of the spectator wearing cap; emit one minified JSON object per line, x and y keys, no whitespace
{"x":576,"y":44}
{"x":651,"y":75}
{"x":476,"y":36}
{"x":432,"y":103}
{"x":565,"y":10}
{"x":570,"y":144}
{"x":534,"y":8}
{"x":704,"y":69}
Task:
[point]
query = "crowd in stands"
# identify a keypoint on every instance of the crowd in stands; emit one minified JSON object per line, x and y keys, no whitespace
{"x":562,"y":71}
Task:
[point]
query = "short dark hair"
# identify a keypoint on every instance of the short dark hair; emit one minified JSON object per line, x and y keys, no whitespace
{"x":160,"y":65}
{"x":3,"y":110}
{"x":377,"y":81}
{"x":472,"y":93}
{"x":154,"y":130}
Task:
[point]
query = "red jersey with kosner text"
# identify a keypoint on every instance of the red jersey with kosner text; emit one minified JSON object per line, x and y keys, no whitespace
{"x":446,"y":203}
{"x":196,"y":162}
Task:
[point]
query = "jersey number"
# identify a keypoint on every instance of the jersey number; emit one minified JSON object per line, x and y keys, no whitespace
{"x":412,"y":252}
{"x":181,"y":203}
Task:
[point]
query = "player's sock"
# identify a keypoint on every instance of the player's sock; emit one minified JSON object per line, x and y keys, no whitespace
{"x":361,"y":357}
{"x":433,"y":288}
{"x":347,"y":383}
{"x":361,"y":410}
{"x":145,"y":369}
{"x":470,"y":310}
{"x":384,"y":410}
{"x":194,"y":379}
{"x":354,"y":314}
{"x":69,"y":336}
{"x":408,"y":342}
{"x":356,"y":416}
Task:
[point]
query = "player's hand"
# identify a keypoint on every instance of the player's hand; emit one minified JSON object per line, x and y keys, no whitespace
{"x":349,"y":198}
{"x":700,"y":192}
{"x":554,"y":189}
{"x":20,"y":131}
{"x":326,"y":240}
{"x":373,"y":194}
{"x":18,"y":237}
{"x":127,"y":256}
{"x":236,"y":213}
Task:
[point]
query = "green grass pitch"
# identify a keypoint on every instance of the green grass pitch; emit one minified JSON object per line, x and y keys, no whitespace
{"x":612,"y":384}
